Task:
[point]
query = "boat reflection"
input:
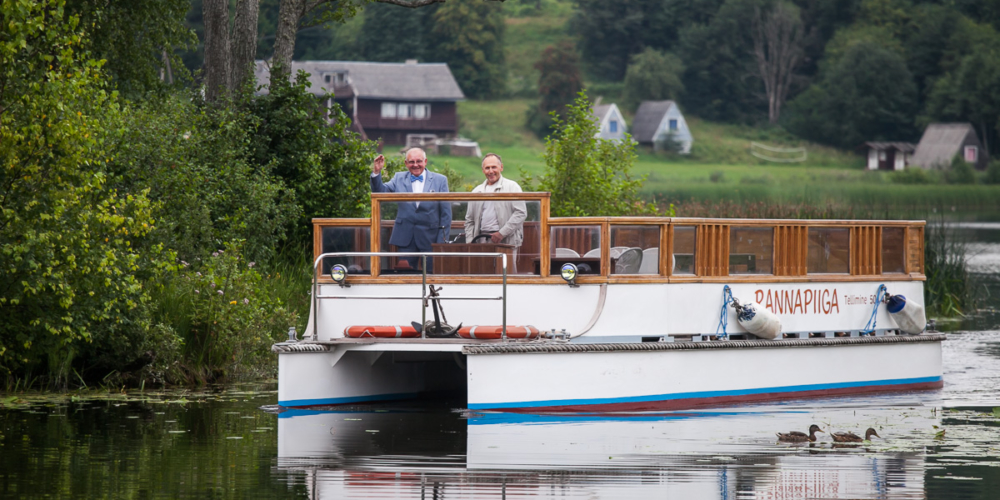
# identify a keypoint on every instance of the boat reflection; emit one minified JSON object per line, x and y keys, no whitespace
{"x":403,"y":453}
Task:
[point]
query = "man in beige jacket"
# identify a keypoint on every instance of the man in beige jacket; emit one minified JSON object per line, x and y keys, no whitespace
{"x":502,"y":221}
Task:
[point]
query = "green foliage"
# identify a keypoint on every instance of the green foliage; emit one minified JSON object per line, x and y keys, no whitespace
{"x":588,"y":176}
{"x":469,"y":36}
{"x":610,"y":33}
{"x":558,"y":84}
{"x":868,"y":95}
{"x":410,"y":23}
{"x":719,"y":58}
{"x":69,"y":263}
{"x":134,"y":37}
{"x":960,"y":172}
{"x":992,"y":173}
{"x":198,"y":164}
{"x":912,"y":175}
{"x":652,"y":75}
{"x":227,"y":315}
{"x":314,"y":152}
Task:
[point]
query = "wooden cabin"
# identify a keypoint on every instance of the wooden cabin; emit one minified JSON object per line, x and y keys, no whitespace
{"x":942,"y":142}
{"x":386,"y":101}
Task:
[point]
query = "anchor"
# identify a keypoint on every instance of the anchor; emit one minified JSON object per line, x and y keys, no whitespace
{"x":439,"y":327}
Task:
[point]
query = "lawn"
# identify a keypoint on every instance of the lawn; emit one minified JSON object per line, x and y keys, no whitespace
{"x":720,"y":168}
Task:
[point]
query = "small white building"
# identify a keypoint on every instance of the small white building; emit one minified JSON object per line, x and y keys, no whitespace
{"x":610,"y":122}
{"x":889,"y":155}
{"x":656,"y":122}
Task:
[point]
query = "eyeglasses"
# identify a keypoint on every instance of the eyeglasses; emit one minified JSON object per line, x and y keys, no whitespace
{"x":414,"y":162}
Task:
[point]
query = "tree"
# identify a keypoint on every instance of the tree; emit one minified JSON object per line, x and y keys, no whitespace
{"x":469,"y":37}
{"x":777,"y":48}
{"x":868,"y":95}
{"x":138,"y":39}
{"x":588,"y":176}
{"x":221,"y":51}
{"x":610,"y":33}
{"x":559,"y":82}
{"x":375,"y":46}
{"x":719,"y":80}
{"x":69,"y":269}
{"x":652,"y":75}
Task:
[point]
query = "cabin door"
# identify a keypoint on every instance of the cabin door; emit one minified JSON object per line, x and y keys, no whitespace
{"x":887,"y":159}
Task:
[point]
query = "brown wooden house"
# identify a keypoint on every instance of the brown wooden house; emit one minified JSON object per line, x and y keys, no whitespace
{"x":386,"y":101}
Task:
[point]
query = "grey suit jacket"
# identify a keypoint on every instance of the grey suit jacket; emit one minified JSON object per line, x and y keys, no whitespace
{"x":423,"y":225}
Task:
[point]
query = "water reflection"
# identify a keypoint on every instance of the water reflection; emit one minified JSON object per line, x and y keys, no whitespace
{"x":704,"y":454}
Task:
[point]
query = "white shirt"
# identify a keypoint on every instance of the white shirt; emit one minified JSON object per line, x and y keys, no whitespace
{"x":416,"y":186}
{"x":490,"y":223}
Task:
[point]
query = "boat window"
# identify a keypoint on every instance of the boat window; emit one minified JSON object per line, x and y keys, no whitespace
{"x":635,"y":249}
{"x":522,"y":245}
{"x":751,"y":250}
{"x":829,"y":250}
{"x":580,"y":245}
{"x":346,"y":239}
{"x":893,"y":250}
{"x":684,"y":248}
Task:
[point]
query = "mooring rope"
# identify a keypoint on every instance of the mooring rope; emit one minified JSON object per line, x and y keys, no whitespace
{"x":880,"y":296}
{"x":727,"y":298}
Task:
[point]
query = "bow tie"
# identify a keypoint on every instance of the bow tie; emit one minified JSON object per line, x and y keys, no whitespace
{"x":415,"y":178}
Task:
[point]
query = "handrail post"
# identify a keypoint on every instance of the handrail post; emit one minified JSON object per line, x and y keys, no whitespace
{"x":504,"y":319}
{"x":315,"y":304}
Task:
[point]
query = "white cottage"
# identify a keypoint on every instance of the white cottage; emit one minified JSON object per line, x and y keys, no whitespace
{"x":656,"y":121}
{"x":610,"y":122}
{"x":889,"y":155}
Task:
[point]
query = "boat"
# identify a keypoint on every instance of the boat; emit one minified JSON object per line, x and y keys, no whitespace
{"x":611,"y":313}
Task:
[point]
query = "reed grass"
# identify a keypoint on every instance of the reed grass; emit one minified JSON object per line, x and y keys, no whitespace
{"x":947,"y":291}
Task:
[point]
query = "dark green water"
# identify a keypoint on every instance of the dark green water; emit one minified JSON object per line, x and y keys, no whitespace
{"x":222,"y":444}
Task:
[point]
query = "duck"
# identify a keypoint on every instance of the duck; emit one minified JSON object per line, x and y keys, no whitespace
{"x":850,"y":437}
{"x":800,"y":437}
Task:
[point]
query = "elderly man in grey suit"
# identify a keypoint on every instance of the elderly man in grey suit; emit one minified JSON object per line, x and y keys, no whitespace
{"x":500,"y":221}
{"x":418,"y":224}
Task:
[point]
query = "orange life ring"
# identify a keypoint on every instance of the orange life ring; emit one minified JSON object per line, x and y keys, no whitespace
{"x":496,"y":332}
{"x":393,"y":331}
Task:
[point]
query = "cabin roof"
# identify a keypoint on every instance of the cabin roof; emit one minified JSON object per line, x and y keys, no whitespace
{"x":648,"y":118}
{"x":376,"y":80}
{"x":905,"y":147}
{"x":940,"y":143}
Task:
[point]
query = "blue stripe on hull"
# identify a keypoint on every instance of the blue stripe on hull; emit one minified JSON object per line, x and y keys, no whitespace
{"x":790,"y":390}
{"x":298,"y":403}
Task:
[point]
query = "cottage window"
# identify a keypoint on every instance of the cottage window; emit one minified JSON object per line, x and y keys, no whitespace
{"x":326,"y":78}
{"x":673,"y":124}
{"x":613,"y":126}
{"x":422,"y":111}
{"x":388,"y":110}
{"x":404,"y":111}
{"x":971,"y":154}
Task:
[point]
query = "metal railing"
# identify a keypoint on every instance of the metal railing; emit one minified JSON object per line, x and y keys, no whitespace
{"x":424,"y":296}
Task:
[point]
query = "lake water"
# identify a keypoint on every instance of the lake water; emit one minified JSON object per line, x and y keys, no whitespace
{"x":222,"y":444}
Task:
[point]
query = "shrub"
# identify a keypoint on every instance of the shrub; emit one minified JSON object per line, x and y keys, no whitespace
{"x":961,"y":172}
{"x":227,"y":315}
{"x":912,"y":175}
{"x":588,"y":176}
{"x":992,"y":175}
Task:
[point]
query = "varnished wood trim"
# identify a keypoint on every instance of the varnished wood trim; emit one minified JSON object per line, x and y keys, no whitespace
{"x":321,"y":221}
{"x":376,"y":235}
{"x":545,"y":238}
{"x":666,"y":249}
{"x":605,"y":249}
{"x":627,"y":279}
{"x":688,"y":221}
{"x":397,"y":197}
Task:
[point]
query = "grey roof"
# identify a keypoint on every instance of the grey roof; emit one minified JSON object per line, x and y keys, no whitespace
{"x":372,"y":80}
{"x":601,"y":111}
{"x":648,"y":118}
{"x":906,"y":147}
{"x":940,"y":143}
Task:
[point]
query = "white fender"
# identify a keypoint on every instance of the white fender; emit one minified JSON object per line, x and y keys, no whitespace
{"x":908,"y":314}
{"x":759,"y":321}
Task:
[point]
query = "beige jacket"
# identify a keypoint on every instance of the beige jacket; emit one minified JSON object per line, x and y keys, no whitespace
{"x":510,"y":214}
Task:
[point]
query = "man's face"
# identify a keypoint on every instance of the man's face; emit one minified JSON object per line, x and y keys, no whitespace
{"x":492,"y":168}
{"x":415,"y":162}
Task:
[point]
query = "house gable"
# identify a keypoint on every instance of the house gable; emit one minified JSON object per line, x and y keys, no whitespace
{"x":610,"y":117}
